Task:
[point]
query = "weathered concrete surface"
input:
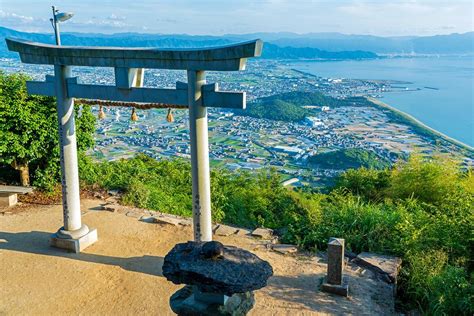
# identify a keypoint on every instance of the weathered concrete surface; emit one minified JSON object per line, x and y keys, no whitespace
{"x":284,"y":248}
{"x":166,"y":220}
{"x":264,"y":233}
{"x":8,"y":199}
{"x":74,"y":245}
{"x":243,"y":232}
{"x":222,"y":58}
{"x":15,"y":189}
{"x":199,"y":143}
{"x":9,"y":194}
{"x":334,"y":282}
{"x":225,"y":230}
{"x":335,"y":260}
{"x":179,"y":96}
{"x":381,"y":264}
{"x":121,"y":273}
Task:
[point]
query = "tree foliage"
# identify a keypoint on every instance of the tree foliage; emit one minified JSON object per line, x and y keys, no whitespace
{"x":287,"y":106}
{"x":28,"y":131}
{"x":350,"y":158}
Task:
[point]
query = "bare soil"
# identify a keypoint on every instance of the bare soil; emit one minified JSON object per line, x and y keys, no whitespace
{"x":121,"y":273}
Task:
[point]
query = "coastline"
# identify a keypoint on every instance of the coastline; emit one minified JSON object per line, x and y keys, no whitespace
{"x":417,"y":124}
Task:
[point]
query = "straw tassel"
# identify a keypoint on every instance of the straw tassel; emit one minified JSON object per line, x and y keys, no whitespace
{"x":170,"y":117}
{"x":101,"y":113}
{"x":134,"y":116}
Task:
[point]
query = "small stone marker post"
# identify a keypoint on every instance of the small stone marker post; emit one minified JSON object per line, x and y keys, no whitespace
{"x":335,"y":282}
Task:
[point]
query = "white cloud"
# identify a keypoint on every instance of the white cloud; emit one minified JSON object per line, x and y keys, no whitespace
{"x":397,"y":17}
{"x":115,"y":17}
{"x":13,"y":17}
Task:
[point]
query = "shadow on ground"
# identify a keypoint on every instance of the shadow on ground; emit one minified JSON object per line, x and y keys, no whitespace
{"x":304,"y":290}
{"x":37,"y":242}
{"x":365,"y":294}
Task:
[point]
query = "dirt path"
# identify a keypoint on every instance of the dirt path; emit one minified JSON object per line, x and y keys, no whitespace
{"x":121,"y":273}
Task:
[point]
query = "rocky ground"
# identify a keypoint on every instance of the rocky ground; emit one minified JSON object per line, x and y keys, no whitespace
{"x":121,"y":273}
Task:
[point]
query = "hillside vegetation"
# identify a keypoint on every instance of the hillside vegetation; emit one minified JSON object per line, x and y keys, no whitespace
{"x":288,"y":106}
{"x":421,"y":210}
{"x":351,"y":158}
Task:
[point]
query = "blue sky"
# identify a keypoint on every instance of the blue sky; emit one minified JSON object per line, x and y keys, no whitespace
{"x":386,"y":18}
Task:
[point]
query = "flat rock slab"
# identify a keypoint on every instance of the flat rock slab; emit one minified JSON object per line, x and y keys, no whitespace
{"x":224,"y":230}
{"x":147,"y":219}
{"x":186,"y":222}
{"x":113,"y":192}
{"x":381,"y":264}
{"x":264,"y":233}
{"x":234,"y":271}
{"x":134,"y":214}
{"x":284,"y":248}
{"x":243,"y":232}
{"x":15,"y":189}
{"x":166,"y":220}
{"x":111,"y":207}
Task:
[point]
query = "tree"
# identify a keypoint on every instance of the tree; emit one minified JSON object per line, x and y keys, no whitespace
{"x":28,"y":129}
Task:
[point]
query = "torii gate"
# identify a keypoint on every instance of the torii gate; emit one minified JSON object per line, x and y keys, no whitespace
{"x":129,"y":64}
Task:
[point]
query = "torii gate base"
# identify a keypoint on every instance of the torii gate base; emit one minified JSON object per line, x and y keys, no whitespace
{"x":129,"y":65}
{"x":72,"y":243}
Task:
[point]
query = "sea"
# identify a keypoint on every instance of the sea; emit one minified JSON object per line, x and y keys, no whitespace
{"x":444,"y":101}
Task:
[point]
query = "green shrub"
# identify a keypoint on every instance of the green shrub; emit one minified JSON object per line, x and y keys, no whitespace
{"x":367,"y":183}
{"x":430,"y":180}
{"x":421,"y":211}
{"x":437,"y":287}
{"x":365,"y":226}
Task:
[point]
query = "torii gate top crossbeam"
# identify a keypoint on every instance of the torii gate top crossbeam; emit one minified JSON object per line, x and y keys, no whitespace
{"x":222,"y":58}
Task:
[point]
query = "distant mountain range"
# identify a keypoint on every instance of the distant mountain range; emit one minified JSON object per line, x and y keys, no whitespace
{"x":277,"y":45}
{"x":438,"y":44}
{"x":177,"y":41}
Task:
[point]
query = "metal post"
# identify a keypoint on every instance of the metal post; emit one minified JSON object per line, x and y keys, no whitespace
{"x":56,"y":27}
{"x":68,"y":155}
{"x":199,"y":157}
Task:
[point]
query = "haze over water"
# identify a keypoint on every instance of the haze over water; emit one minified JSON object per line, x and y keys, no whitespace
{"x":450,"y":109}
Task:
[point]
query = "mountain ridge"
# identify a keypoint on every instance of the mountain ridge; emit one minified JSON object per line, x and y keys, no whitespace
{"x":271,"y":51}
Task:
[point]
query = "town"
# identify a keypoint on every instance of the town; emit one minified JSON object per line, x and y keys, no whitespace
{"x":246,"y":143}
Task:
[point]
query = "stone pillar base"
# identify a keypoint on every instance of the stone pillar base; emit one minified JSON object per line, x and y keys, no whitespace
{"x":76,"y":244}
{"x":185,"y":302}
{"x":338,"y":289}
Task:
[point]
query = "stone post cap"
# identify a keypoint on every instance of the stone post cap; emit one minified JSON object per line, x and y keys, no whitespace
{"x":336,"y":241}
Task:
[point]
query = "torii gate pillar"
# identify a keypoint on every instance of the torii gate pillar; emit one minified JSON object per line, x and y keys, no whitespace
{"x":74,"y":235}
{"x":199,"y":157}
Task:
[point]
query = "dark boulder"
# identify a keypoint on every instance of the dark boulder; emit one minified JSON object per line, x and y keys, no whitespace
{"x":215,"y":268}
